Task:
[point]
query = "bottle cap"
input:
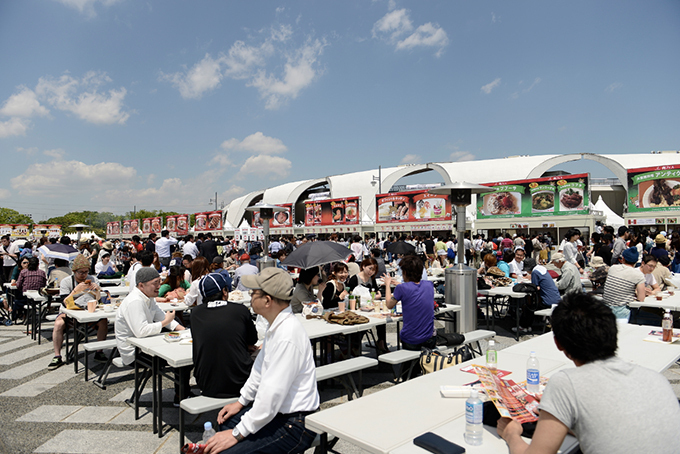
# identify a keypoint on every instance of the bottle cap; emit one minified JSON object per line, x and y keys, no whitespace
{"x":532,"y":354}
{"x":207,"y":425}
{"x":473,"y":394}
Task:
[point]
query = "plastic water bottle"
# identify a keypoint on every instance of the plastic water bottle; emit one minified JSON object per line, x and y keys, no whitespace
{"x":492,"y":356}
{"x":533,"y":374}
{"x":667,"y":326}
{"x":474,"y":414}
{"x":208,"y":432}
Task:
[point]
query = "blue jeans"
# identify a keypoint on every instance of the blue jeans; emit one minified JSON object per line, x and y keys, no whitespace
{"x":283,"y":434}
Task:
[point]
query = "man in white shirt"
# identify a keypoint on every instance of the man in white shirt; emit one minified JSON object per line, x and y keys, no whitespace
{"x":517,"y":265}
{"x":281,"y":390}
{"x":274,"y":246}
{"x":163,"y":247}
{"x":190,"y":247}
{"x":10,"y":255}
{"x":144,"y":259}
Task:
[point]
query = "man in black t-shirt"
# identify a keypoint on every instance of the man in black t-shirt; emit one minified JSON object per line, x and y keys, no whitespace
{"x":224,"y":336}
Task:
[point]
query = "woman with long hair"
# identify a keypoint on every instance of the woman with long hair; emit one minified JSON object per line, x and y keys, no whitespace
{"x":366,"y":278}
{"x":199,"y":268}
{"x":336,"y":290}
{"x":174,"y":286}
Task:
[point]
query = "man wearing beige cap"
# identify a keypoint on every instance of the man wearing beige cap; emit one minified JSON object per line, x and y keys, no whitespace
{"x":281,"y":389}
{"x":570,"y":281}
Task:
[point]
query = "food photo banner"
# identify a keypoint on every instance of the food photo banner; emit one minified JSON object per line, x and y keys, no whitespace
{"x":332,"y":212}
{"x":51,"y":230}
{"x":208,"y":221}
{"x":551,"y":196}
{"x":412,"y":206}
{"x":131,"y":227}
{"x":152,"y":225}
{"x":654,"y":189}
{"x":113,"y":228}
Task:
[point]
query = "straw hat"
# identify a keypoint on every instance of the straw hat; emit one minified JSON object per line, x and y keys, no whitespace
{"x":660,"y":239}
{"x":495,"y":271}
{"x":597,"y":262}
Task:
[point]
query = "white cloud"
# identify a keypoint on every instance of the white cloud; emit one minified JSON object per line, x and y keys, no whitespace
{"x":615,"y":86}
{"x":28,"y":151}
{"x":491,"y":85}
{"x":82,"y":97}
{"x":410,"y":159}
{"x":265,"y":165}
{"x":535,"y":82}
{"x":221,"y":159}
{"x":249,"y":62}
{"x":5,"y":194}
{"x":13,"y":127}
{"x":392,"y":27}
{"x":256,"y":143}
{"x":299,"y":72}
{"x":69,"y":177}
{"x":495,"y":18}
{"x":460,"y":156}
{"x":23,"y":104}
{"x":87,"y":6}
{"x":427,"y":35}
{"x":57,"y":153}
{"x":204,"y":76}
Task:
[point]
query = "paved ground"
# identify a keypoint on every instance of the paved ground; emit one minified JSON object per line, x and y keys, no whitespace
{"x":57,"y":412}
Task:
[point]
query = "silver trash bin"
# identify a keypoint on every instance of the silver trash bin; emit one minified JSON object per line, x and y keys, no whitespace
{"x":461,"y":290}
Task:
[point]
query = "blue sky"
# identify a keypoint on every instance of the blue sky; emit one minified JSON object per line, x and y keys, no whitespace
{"x":107,"y":104}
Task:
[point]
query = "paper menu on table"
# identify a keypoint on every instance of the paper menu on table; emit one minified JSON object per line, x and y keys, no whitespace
{"x":510,"y":399}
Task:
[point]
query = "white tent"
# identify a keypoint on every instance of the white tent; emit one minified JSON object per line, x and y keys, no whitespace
{"x":612,"y":218}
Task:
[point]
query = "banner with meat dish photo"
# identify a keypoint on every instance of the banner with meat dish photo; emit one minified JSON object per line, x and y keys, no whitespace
{"x":412,"y":206}
{"x":332,"y":212}
{"x":551,"y":196}
{"x":654,"y":189}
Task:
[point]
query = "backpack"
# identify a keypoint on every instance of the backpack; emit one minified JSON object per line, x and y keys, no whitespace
{"x":451,"y":254}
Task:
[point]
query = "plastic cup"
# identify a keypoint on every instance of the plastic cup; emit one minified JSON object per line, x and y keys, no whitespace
{"x":352,"y":304}
{"x":91,"y":306}
{"x":342,"y":306}
{"x":659,"y":297}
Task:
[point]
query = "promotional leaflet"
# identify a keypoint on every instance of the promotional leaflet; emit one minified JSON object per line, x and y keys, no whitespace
{"x":551,"y":196}
{"x":332,"y":212}
{"x":654,"y":189}
{"x":412,"y":206}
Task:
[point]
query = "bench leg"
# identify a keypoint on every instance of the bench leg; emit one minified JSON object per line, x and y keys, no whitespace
{"x":181,"y":428}
{"x":323,"y":445}
{"x":101,"y":381}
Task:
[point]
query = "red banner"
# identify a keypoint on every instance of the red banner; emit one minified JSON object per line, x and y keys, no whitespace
{"x":182,"y":224}
{"x":282,"y":219}
{"x":207,"y":221}
{"x":412,"y":206}
{"x":113,"y":228}
{"x":152,"y":225}
{"x":332,"y":212}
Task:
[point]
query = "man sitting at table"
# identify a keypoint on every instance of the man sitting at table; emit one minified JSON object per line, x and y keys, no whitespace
{"x":75,"y":286}
{"x":610,"y":404}
{"x":624,"y":284}
{"x":140,"y":316}
{"x":281,"y":390}
{"x":517,"y":265}
{"x":223,"y":337}
{"x":245,"y":269}
{"x":570,"y":280}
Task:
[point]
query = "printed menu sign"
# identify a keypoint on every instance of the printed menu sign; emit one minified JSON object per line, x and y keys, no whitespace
{"x":182,"y":224}
{"x":209,"y":220}
{"x":654,"y":189}
{"x":558,"y":195}
{"x":412,"y":206}
{"x":113,"y":228}
{"x":131,"y":227}
{"x":332,"y":212}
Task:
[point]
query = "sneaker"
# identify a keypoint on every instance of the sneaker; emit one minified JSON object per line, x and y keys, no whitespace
{"x":100,"y":357}
{"x":521,"y":330}
{"x":55,"y":363}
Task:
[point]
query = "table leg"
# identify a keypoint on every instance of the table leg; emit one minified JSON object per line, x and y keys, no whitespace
{"x":76,"y":327}
{"x":137,"y":392}
{"x":159,"y":396}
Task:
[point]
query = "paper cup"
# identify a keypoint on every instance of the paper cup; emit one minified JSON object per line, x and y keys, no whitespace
{"x":352,"y":304}
{"x":91,"y":306}
{"x":108,"y":308}
{"x":342,"y":307}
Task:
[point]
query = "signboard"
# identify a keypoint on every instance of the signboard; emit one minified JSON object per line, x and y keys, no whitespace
{"x":412,"y":206}
{"x":552,"y":196}
{"x":5,"y":229}
{"x":152,"y":225}
{"x":19,"y":230}
{"x":207,"y":221}
{"x":282,"y":219}
{"x":182,"y":224}
{"x":54,"y":231}
{"x":113,"y":228}
{"x":332,"y":212}
{"x":654,"y":189}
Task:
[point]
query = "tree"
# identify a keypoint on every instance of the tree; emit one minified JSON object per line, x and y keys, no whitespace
{"x":10,"y":216}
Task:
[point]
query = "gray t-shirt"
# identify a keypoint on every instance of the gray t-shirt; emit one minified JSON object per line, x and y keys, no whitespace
{"x":301,"y":295}
{"x":615,"y":406}
{"x":619,"y":288}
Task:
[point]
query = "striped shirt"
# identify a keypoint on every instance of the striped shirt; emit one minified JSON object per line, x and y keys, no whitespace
{"x":619,"y":289}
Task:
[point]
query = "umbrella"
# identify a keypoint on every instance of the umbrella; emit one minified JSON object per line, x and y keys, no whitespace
{"x":59,"y":251}
{"x":401,"y":247}
{"x":316,"y":253}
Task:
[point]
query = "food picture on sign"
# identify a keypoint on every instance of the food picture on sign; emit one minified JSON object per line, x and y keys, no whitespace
{"x":317,"y":213}
{"x":134,"y":226}
{"x":660,"y":193}
{"x":182,"y":223}
{"x":257,"y":220}
{"x":338,"y":212}
{"x":543,"y":201}
{"x":146,"y":225}
{"x":116,"y":229}
{"x":201,"y":221}
{"x":500,"y":203}
{"x":156,"y":225}
{"x":170,"y":224}
{"x":571,"y":198}
{"x":281,"y":218}
{"x":215,"y":221}
{"x":109,"y":229}
{"x":126,"y":227}
{"x":350,"y":213}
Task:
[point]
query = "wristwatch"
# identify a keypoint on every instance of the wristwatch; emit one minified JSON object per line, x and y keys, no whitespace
{"x":237,"y":434}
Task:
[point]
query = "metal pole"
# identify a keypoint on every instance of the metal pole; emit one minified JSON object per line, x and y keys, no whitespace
{"x":380,"y":179}
{"x":460,"y":228}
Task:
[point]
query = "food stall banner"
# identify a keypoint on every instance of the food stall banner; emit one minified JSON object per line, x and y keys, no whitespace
{"x":113,"y":228}
{"x":182,"y":224}
{"x":19,"y":230}
{"x":130,"y":227}
{"x":551,"y":196}
{"x":332,"y":212}
{"x":5,"y":229}
{"x":171,"y":224}
{"x":152,"y":225}
{"x":51,"y":230}
{"x":412,"y":206}
{"x":654,"y":189}
{"x":54,"y":231}
{"x":282,"y":219}
{"x":208,"y":220}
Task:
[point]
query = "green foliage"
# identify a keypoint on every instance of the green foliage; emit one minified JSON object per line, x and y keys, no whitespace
{"x":10,"y":216}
